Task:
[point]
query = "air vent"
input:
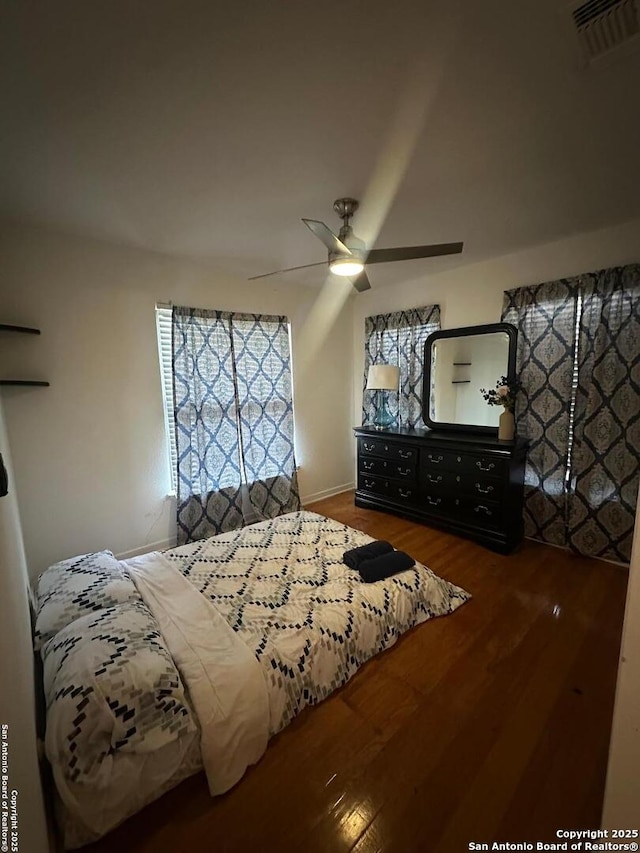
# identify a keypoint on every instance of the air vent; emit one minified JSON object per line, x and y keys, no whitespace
{"x":604,"y":25}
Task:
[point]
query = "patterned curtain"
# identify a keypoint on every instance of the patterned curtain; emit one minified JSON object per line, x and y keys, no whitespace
{"x":579,"y":365}
{"x":545,"y":316}
{"x":606,"y":453}
{"x":233,"y":419}
{"x":399,"y":338}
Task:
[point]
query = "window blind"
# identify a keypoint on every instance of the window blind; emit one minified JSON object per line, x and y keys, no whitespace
{"x":163,"y":327}
{"x":574,"y":389}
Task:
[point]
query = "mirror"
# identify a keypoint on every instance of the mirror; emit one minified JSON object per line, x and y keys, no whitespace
{"x":458,"y":363}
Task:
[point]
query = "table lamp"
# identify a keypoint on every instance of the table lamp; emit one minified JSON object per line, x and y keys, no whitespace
{"x":383,"y":378}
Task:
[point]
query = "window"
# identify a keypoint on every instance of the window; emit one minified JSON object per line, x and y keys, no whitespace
{"x":252,"y":409}
{"x":399,"y":339}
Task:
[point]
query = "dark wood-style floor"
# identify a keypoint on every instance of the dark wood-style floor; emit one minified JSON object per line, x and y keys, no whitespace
{"x":489,"y":724}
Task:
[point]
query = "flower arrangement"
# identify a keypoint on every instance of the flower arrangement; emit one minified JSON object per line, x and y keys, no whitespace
{"x":504,"y":394}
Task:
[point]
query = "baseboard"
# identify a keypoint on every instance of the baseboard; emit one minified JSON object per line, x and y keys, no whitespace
{"x":326,"y":493}
{"x":152,"y":546}
{"x":587,"y":556}
{"x":163,"y":544}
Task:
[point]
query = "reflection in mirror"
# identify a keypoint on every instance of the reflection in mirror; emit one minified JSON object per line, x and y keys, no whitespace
{"x":458,"y":363}
{"x":460,"y":367}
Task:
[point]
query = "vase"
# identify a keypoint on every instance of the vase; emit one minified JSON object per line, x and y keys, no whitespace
{"x":506,"y":426}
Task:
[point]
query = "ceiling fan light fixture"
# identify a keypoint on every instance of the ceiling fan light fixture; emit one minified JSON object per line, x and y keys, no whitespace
{"x":348,"y":254}
{"x":346,"y":266}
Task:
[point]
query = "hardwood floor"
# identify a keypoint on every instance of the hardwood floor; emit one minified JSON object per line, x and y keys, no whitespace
{"x":489,"y":724}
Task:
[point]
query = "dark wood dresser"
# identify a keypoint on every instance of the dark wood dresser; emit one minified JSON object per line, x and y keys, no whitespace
{"x":462,"y":482}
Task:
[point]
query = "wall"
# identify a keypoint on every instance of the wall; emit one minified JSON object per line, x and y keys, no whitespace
{"x":17,"y":700}
{"x":89,"y":452}
{"x":622,"y":795}
{"x":472,"y":295}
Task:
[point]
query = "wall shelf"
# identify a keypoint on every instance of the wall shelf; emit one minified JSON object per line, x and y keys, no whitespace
{"x":22,"y":330}
{"x":460,"y":381}
{"x":24,"y":382}
{"x":25,"y":330}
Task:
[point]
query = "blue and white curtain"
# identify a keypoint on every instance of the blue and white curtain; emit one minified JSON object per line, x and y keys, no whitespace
{"x":605,"y":464}
{"x":399,"y":339}
{"x":579,"y":365}
{"x":545,"y":316}
{"x":233,"y":419}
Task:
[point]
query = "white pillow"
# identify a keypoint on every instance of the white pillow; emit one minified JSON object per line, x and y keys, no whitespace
{"x":72,"y":588}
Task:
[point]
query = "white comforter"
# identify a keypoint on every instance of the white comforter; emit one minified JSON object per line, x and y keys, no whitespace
{"x":224,"y":679}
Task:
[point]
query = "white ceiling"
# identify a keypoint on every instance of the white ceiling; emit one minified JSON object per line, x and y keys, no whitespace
{"x":208,"y":129}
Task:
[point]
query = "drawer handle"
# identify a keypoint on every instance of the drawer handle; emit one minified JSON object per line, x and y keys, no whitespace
{"x":368,"y":466}
{"x":490,"y":467}
{"x":433,"y":479}
{"x":484,"y":509}
{"x":433,"y":501}
{"x":404,"y":472}
{"x":405,"y":454}
{"x":368,"y":447}
{"x":404,"y":494}
{"x":369,"y":484}
{"x":435,"y":459}
{"x":482,"y":491}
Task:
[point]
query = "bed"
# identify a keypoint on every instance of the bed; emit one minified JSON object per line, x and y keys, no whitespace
{"x":161,"y":666}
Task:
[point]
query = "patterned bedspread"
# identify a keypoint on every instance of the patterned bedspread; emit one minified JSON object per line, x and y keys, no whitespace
{"x":309,"y":619}
{"x":120,"y":728}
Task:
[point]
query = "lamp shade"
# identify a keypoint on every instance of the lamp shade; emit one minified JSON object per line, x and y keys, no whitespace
{"x":383,"y":377}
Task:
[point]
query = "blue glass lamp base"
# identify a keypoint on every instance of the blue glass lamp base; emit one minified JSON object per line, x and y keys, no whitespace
{"x":383,"y":418}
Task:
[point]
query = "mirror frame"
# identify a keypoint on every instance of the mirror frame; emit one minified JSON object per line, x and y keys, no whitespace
{"x":465,"y":331}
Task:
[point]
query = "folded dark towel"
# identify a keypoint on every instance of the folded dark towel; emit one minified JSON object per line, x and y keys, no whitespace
{"x":355,"y":556}
{"x":384,"y":566}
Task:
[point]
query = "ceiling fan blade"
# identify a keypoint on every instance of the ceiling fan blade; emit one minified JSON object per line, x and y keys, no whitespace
{"x":289,"y":269}
{"x":361,"y":282}
{"x":408,"y":253}
{"x":324,"y":233}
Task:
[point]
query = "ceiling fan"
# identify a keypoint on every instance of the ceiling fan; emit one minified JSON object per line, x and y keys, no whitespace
{"x":348,"y":255}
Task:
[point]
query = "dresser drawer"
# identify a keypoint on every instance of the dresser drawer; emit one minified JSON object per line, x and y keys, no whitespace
{"x":372,"y":447}
{"x":484,"y":466}
{"x":387,"y":450}
{"x":405,"y":471}
{"x":436,"y":460}
{"x":481,"y":486}
{"x":439,"y":480}
{"x":371,"y":465}
{"x":399,"y":470}
{"x":367,"y":483}
{"x":402,"y":492}
{"x":480,"y":512}
{"x":436,"y":502}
